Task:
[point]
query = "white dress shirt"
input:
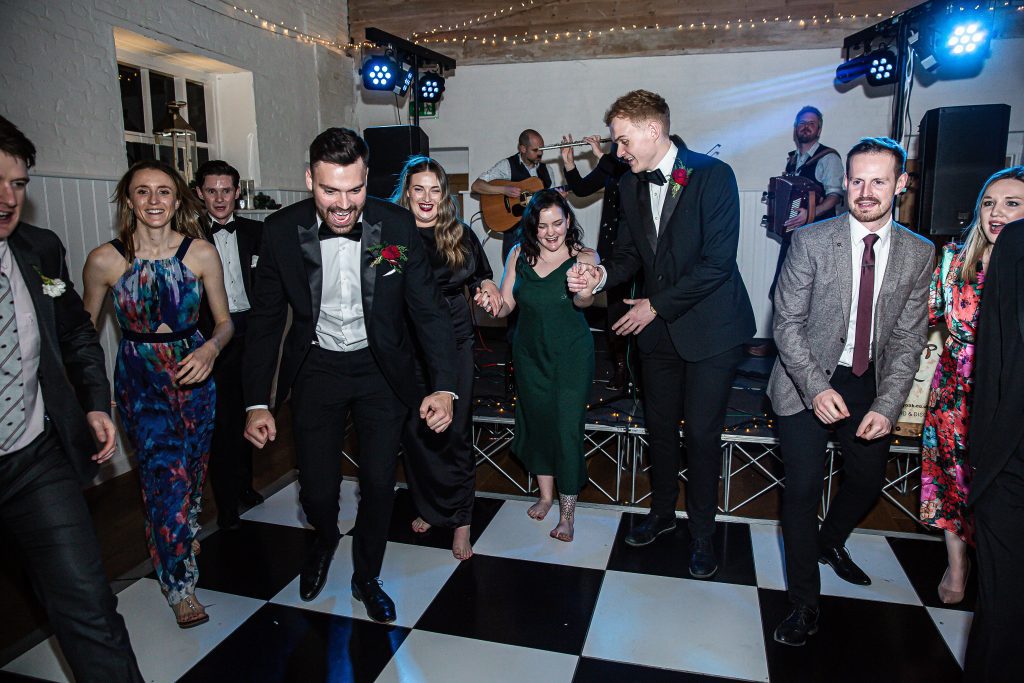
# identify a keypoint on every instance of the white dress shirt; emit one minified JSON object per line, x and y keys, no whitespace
{"x":340,"y":326}
{"x":227,"y":247}
{"x":659,"y":192}
{"x":29,"y":345}
{"x":857,"y":234}
{"x":503,"y":171}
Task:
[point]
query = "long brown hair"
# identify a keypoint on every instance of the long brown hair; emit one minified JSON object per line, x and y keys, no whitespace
{"x":448,"y":229}
{"x":184,"y":221}
{"x":975,"y":241}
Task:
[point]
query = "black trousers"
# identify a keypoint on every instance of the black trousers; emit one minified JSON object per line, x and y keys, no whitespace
{"x":230,"y":453}
{"x":994,"y":652}
{"x":698,"y":392}
{"x":440,"y":468}
{"x":803,"y":439}
{"x":42,"y":505}
{"x":329,"y":387}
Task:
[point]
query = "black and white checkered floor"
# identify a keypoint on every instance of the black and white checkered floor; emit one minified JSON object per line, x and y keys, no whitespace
{"x":529,"y":608}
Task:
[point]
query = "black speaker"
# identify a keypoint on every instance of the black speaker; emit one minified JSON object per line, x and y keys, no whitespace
{"x":390,"y":147}
{"x":959,"y":148}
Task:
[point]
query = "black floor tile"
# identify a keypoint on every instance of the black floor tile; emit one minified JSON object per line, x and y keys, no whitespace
{"x":925,"y":562}
{"x":600,"y":671}
{"x":404,"y":512}
{"x":531,"y":604}
{"x":8,"y":677}
{"x":858,"y":641}
{"x":284,"y":644}
{"x":670,"y":554}
{"x":256,"y":560}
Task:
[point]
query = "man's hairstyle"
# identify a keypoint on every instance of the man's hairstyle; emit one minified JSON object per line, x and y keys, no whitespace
{"x":639,"y":106}
{"x":341,"y":146}
{"x":14,"y":142}
{"x":809,"y":110}
{"x":216,"y":167}
{"x":526,"y":136}
{"x":880,"y":145}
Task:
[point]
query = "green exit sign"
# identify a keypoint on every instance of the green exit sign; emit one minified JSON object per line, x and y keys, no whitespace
{"x":428,"y":110}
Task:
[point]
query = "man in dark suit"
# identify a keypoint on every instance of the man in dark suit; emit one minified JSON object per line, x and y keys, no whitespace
{"x":51,"y":364}
{"x":851,"y":319}
{"x":679,"y":223}
{"x":994,"y":650}
{"x":238,"y":242}
{"x":353,"y":270}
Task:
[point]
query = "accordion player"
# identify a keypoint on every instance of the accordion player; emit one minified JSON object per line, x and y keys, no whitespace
{"x":786,"y":195}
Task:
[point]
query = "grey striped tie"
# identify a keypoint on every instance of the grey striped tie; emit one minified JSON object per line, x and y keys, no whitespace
{"x":12,"y":386}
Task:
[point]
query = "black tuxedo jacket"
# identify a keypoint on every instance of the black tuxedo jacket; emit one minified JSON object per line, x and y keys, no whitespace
{"x":689,"y":266}
{"x":72,"y":373}
{"x":997,"y":430}
{"x":291,"y":274}
{"x":248,"y":236}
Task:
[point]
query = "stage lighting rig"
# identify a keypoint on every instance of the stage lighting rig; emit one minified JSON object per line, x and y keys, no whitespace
{"x":379,"y":72}
{"x":878,"y":66}
{"x":413,"y":68}
{"x":430,"y":86}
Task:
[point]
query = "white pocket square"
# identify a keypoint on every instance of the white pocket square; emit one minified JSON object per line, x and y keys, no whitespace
{"x":255,"y":259}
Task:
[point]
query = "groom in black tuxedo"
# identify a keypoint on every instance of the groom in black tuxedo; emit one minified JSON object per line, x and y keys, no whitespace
{"x":55,"y":403}
{"x":679,"y":223}
{"x":353,"y":270}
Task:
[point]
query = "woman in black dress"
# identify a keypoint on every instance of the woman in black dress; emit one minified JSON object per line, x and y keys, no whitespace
{"x":440,"y":468}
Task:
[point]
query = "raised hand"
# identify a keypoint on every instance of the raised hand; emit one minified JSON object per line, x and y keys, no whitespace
{"x":488,"y":298}
{"x":595,"y":144}
{"x":568,"y":156}
{"x":582,"y":277}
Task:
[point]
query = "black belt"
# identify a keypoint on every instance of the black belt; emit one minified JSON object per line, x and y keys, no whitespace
{"x":158,"y":337}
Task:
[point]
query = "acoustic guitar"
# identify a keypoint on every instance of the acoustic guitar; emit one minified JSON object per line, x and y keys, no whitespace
{"x":501,"y":212}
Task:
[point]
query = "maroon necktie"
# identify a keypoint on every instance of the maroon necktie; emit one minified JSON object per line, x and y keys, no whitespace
{"x":862,"y":337}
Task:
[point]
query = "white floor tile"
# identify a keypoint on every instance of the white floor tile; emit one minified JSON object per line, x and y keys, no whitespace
{"x":873,"y":554}
{"x":954,"y":625}
{"x":412,"y":576}
{"x":679,"y":624}
{"x":513,"y":534}
{"x":164,"y":651}
{"x":766,"y":540}
{"x":284,"y":508}
{"x":426,"y":656}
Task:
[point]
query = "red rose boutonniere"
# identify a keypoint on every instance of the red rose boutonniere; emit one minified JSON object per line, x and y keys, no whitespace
{"x":393,"y":255}
{"x":680,"y":177}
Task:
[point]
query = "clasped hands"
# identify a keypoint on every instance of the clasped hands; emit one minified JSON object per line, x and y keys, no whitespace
{"x":583,"y":277}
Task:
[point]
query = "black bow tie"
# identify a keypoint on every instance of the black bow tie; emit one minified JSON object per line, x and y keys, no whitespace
{"x":655,"y":177}
{"x":216,"y":227}
{"x":355,"y":234}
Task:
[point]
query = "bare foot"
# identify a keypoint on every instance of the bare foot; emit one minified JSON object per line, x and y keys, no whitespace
{"x":563,"y":532}
{"x":539,"y":510}
{"x":461,"y":548}
{"x":420,"y":526}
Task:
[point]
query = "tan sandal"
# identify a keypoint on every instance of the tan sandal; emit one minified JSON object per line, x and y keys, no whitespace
{"x":189,"y":613}
{"x":195,"y":547}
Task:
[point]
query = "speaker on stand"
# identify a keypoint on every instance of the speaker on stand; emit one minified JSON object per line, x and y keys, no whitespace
{"x":390,"y":147}
{"x":959,"y":148}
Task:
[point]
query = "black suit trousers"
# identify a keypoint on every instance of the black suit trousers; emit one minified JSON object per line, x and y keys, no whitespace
{"x":994,"y":652}
{"x":803,"y":440}
{"x":675,"y":389}
{"x":42,"y":506}
{"x":330,"y":387}
{"x":230,"y":452}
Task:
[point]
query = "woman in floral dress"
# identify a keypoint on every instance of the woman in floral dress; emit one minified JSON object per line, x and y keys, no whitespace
{"x":955,"y":297}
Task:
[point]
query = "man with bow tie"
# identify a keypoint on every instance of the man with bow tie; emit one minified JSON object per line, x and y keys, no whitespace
{"x":238,"y":242}
{"x":356,"y":275}
{"x":679,"y":223}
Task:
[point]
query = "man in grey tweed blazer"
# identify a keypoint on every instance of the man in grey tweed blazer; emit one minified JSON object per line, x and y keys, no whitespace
{"x":851,"y":317}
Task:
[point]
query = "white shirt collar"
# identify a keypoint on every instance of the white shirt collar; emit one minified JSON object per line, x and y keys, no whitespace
{"x":858,"y":232}
{"x":230,"y":218}
{"x":667,"y":161}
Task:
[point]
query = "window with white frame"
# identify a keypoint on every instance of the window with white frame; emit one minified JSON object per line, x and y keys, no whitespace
{"x":145,"y":94}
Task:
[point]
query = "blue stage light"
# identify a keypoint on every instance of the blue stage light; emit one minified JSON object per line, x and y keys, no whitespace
{"x":404,"y":80}
{"x":430,"y":86}
{"x":879,"y":68}
{"x":965,"y":37}
{"x":379,"y":73}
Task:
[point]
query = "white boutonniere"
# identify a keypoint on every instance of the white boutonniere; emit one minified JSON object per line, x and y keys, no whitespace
{"x":52,"y":286}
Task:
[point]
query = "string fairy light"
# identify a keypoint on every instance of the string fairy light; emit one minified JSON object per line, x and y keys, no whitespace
{"x":252,"y":17}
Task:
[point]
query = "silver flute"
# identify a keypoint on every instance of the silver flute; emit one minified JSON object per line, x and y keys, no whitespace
{"x":572,"y":144}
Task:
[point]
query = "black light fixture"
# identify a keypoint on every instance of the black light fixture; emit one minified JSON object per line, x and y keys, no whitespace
{"x":379,"y":72}
{"x":430,"y":86}
{"x":406,"y":68}
{"x":878,"y":66}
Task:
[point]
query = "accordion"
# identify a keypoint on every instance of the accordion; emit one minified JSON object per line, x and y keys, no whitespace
{"x":785,"y":197}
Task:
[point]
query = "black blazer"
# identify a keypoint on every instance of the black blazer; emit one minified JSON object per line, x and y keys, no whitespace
{"x":290,"y":275}
{"x":248,"y":236}
{"x":690,"y":271}
{"x":997,"y":430}
{"x":72,"y":373}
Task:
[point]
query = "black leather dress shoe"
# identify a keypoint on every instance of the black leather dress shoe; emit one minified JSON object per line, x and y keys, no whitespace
{"x":649,"y":529}
{"x":794,"y":629}
{"x":229,"y":521}
{"x":703,"y":563}
{"x":314,"y":570}
{"x":840,"y":561}
{"x":250,"y":497}
{"x":379,"y":606}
